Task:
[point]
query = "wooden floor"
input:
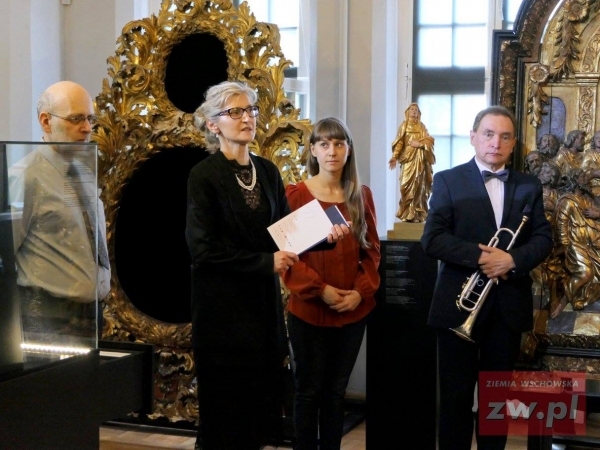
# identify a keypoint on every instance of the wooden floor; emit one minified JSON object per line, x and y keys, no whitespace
{"x":127,"y":438}
{"x":121,"y":438}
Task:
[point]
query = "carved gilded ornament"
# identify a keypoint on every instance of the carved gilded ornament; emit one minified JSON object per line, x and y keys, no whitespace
{"x":587,"y":97}
{"x":510,"y":51}
{"x":538,"y":74}
{"x":566,"y":33}
{"x":524,"y":45}
{"x":590,"y":55}
{"x":137,"y":120}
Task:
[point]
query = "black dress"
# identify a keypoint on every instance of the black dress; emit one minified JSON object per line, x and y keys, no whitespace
{"x":238,"y":333}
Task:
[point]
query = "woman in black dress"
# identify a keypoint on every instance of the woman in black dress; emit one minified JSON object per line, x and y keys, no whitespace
{"x":238,"y":333}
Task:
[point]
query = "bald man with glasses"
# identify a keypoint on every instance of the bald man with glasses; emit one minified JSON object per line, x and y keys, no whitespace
{"x":60,"y":234}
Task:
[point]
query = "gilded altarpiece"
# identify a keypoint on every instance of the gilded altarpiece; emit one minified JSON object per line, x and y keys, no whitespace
{"x":142,"y":124}
{"x":547,"y":71}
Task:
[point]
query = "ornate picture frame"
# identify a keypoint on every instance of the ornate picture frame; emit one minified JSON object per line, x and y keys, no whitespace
{"x":140,"y":119}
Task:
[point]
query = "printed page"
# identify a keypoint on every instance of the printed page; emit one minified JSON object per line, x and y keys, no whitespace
{"x":303,"y":228}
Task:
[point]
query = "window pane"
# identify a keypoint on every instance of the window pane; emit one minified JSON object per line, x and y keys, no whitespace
{"x":289,"y":44}
{"x":464,"y":110}
{"x":470,"y":47}
{"x":300,"y":101}
{"x":435,"y":47}
{"x":260,"y":9}
{"x":462,"y":150}
{"x":285,"y":13}
{"x":443,"y":154}
{"x":435,"y":113}
{"x":435,"y":12}
{"x":512,"y":9}
{"x":471,"y":11}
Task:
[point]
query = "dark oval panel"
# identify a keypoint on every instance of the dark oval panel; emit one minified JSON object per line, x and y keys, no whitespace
{"x":196,"y":63}
{"x":152,"y":260}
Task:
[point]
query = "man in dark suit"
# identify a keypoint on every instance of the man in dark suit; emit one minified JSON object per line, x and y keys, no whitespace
{"x":468,"y":205}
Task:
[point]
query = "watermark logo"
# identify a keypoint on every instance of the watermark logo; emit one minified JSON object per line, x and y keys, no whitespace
{"x":531,"y":403}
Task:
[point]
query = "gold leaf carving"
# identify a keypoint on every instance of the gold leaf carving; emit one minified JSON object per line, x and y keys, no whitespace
{"x":537,"y":97}
{"x":587,"y":97}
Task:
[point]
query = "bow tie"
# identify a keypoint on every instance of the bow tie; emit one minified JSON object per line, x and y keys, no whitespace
{"x":502,"y":175}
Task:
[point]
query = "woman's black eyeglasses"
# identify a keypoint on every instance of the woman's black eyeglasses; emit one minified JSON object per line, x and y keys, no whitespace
{"x":237,"y":113}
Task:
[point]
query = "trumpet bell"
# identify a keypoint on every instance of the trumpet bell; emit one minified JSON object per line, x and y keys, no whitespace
{"x":463,"y":333}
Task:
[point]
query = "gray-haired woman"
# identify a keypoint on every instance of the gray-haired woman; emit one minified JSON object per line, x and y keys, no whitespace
{"x":238,"y":333}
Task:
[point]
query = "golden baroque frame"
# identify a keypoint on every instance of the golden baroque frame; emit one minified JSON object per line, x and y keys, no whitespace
{"x":137,"y":120}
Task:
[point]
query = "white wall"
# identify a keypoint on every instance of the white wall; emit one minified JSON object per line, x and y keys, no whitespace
{"x":89,"y":39}
{"x":356,"y":50}
{"x":45,"y":41}
{"x":47,"y":55}
{"x":18,"y":71}
{"x":327,"y":56}
{"x":4,"y":65}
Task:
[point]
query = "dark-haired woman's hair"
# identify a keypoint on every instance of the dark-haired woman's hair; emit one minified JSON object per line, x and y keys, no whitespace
{"x":332,"y":128}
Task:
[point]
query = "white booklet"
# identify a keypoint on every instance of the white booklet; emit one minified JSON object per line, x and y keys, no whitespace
{"x":306,"y":227}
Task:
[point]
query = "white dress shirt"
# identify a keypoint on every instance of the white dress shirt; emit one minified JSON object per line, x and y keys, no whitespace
{"x":495,"y":190}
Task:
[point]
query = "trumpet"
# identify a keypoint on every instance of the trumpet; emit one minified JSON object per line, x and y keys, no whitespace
{"x":475,"y":289}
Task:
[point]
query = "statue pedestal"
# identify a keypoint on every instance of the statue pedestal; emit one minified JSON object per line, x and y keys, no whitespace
{"x":406,"y":231}
{"x":402,"y":350}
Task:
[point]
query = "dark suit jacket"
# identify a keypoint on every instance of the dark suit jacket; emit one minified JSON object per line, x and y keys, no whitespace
{"x":237,"y":316}
{"x":460,"y":217}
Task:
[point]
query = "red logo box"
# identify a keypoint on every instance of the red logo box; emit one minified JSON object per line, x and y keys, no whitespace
{"x":532,"y":403}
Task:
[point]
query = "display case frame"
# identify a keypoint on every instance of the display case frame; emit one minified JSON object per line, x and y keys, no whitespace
{"x":50,"y":232}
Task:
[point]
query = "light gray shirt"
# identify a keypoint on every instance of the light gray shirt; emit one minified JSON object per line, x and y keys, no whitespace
{"x":53,"y":250}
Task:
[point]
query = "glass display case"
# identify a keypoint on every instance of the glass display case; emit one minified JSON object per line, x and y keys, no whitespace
{"x":53,"y":257}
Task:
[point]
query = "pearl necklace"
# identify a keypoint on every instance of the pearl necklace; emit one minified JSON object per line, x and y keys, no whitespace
{"x":253,"y":183}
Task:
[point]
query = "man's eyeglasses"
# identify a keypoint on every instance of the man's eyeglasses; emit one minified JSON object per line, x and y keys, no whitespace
{"x":237,"y":113}
{"x":78,"y":118}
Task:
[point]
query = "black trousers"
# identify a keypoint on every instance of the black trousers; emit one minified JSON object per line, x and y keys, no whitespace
{"x":52,"y":320}
{"x":324,"y":357}
{"x":460,"y":361}
{"x":240,"y":408}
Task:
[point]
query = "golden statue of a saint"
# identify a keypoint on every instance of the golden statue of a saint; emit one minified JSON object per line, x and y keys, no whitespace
{"x":413,"y":150}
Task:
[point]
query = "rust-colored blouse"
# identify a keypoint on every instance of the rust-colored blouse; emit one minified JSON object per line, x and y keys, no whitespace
{"x":347,"y":266}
